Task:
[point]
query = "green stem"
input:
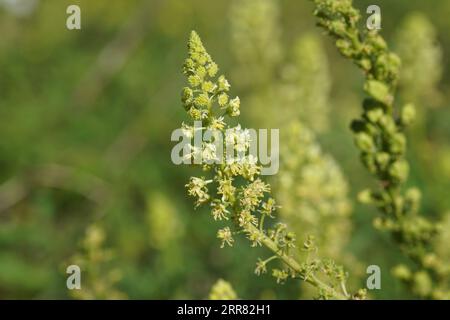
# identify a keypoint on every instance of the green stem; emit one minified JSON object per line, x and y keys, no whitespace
{"x":261,"y":223}
{"x":293,"y":264}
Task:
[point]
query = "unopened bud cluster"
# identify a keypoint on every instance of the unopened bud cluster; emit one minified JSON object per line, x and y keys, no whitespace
{"x":380,"y":137}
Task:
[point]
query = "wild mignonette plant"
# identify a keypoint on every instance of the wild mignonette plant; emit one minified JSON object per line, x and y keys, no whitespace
{"x":310,"y":184}
{"x":442,"y":241}
{"x":306,"y":83}
{"x":234,"y":189}
{"x":313,"y":191}
{"x":261,"y":66}
{"x":416,"y":44}
{"x":99,"y":278}
{"x":380,"y":137}
{"x":257,"y":52}
{"x":162,"y":215}
{"x":255,"y":31}
{"x":222,"y":290}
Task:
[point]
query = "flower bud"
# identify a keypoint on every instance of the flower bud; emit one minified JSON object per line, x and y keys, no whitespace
{"x":233,"y":107}
{"x":397,"y":143}
{"x":388,"y":124}
{"x":364,"y":142}
{"x":399,"y":170}
{"x":412,"y":198}
{"x":401,"y":272}
{"x":337,"y":27}
{"x":208,"y":86}
{"x":408,"y":114}
{"x":194,"y":80}
{"x":202,"y":100}
{"x":222,"y":99}
{"x":360,"y":295}
{"x":430,"y":260}
{"x":378,"y":90}
{"x":365,"y":64}
{"x":365,"y":197}
{"x":186,"y":96}
{"x":224,"y":85}
{"x":413,"y":194}
{"x":374,"y":115}
{"x":344,"y":47}
{"x":369,"y":161}
{"x":422,"y":283}
{"x":382,"y":159}
{"x":377,"y":41}
{"x":212,"y":69}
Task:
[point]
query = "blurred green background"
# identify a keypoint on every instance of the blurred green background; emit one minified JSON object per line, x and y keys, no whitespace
{"x":85,"y":123}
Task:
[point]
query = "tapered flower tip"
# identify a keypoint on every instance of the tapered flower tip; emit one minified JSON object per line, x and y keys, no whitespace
{"x":195,"y":43}
{"x":194,"y":36}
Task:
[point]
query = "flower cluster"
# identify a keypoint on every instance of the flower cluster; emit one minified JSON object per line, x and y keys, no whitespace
{"x":415,"y":43}
{"x":306,"y":83}
{"x":99,"y":278}
{"x":197,"y":188}
{"x":202,"y":93}
{"x":379,"y":134}
{"x":235,"y":191}
{"x":222,"y":290}
{"x":163,"y":221}
{"x":313,"y":191}
{"x":261,"y":65}
{"x":256,"y":34}
{"x":310,"y":184}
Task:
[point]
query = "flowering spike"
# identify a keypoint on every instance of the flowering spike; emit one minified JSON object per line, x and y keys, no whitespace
{"x":249,"y":204}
